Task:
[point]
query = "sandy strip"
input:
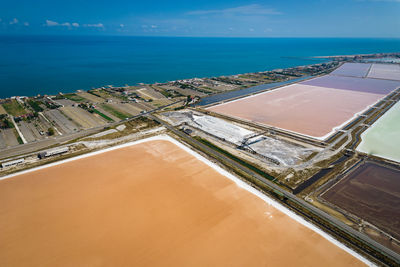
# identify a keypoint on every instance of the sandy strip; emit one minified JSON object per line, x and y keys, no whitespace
{"x":233,"y":178}
{"x":103,"y":133}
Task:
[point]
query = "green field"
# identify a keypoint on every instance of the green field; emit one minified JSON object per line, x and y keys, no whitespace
{"x":101,"y":93}
{"x":93,"y":92}
{"x":35,"y":105}
{"x":102,"y":115}
{"x":14,"y":108}
{"x":119,"y":114}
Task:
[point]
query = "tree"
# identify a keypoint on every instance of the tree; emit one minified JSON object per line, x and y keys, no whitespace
{"x":51,"y":131}
{"x":7,"y":123}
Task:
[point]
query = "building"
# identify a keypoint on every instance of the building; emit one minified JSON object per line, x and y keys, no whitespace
{"x":53,"y":152}
{"x":187,"y":131}
{"x":12,"y":163}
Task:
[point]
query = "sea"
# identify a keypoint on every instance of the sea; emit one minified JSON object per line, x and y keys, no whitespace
{"x":32,"y":65}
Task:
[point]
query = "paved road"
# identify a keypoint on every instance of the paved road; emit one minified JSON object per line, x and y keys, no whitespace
{"x":28,"y":148}
{"x":335,"y":222}
{"x":19,"y":150}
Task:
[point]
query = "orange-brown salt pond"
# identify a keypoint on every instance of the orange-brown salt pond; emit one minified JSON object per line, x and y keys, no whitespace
{"x":149,"y":204}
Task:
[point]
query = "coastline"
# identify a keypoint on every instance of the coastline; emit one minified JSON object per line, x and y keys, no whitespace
{"x":132,"y":63}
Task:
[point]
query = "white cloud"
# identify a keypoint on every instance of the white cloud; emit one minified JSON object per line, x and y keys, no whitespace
{"x":253,"y":9}
{"x":97,"y":25}
{"x":51,"y":23}
{"x":121,"y":25}
{"x":69,"y":25}
{"x":152,"y":28}
{"x":14,"y":21}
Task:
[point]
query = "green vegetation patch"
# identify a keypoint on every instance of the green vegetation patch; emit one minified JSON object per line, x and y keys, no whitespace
{"x":167,"y":94}
{"x":5,"y":122}
{"x":75,"y":97}
{"x":179,"y":108}
{"x":19,"y":139}
{"x":119,"y":114}
{"x":92,"y":92}
{"x":51,"y":131}
{"x":35,"y":105}
{"x":14,"y":108}
{"x":102,"y":115}
{"x":102,"y":93}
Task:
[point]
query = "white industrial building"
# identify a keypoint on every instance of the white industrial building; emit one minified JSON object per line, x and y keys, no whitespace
{"x":53,"y":152}
{"x":12,"y":163}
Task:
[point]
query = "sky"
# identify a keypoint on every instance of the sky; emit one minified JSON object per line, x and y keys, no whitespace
{"x":209,"y":18}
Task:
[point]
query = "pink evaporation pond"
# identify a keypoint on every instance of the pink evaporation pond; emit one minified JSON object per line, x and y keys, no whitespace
{"x":375,"y":86}
{"x":309,"y":110}
{"x":385,"y":71}
{"x":352,"y":69}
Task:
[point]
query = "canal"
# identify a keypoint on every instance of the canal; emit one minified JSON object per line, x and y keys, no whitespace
{"x":233,"y":94}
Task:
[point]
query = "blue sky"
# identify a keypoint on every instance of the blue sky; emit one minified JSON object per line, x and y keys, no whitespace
{"x":294,"y":18}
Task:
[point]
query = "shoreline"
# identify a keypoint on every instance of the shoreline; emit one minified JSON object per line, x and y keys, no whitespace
{"x":359,"y":55}
{"x":123,"y":84}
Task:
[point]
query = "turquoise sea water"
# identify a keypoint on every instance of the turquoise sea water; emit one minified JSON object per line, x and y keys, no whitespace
{"x":31,"y":65}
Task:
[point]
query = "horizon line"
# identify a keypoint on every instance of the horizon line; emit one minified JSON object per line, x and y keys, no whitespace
{"x":194,"y":36}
